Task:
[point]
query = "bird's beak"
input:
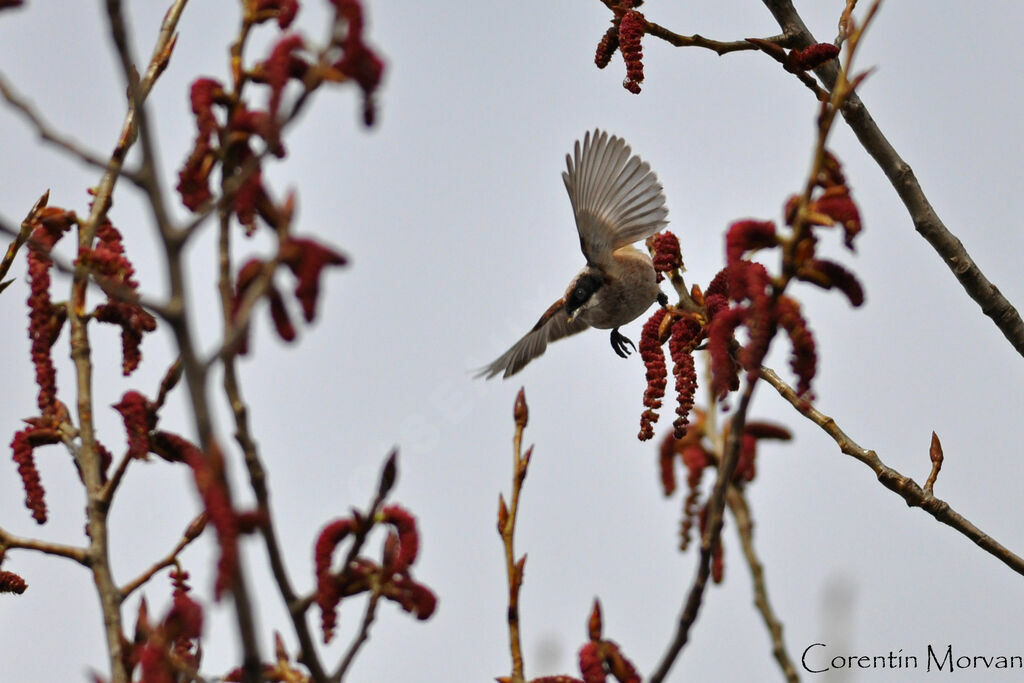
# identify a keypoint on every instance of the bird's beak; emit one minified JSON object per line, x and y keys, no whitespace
{"x":572,"y":316}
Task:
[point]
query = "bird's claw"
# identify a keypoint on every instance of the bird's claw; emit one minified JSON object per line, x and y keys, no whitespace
{"x":662,"y":299}
{"x":619,"y":342}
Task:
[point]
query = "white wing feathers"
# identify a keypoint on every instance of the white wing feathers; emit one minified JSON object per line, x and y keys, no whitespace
{"x":553,"y":325}
{"x":616,"y":198}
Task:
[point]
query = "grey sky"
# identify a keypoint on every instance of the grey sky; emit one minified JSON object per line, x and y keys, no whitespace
{"x":460,"y":235}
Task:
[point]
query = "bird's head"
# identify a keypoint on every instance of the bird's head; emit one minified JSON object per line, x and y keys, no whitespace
{"x":580,"y":295}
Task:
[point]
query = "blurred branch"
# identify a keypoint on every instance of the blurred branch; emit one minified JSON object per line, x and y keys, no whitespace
{"x":711,"y":536}
{"x":745,"y":528}
{"x":194,"y":530}
{"x":901,"y":176}
{"x":79,"y":555}
{"x":235,"y":323}
{"x":905,"y":487}
{"x":137,"y":127}
{"x":20,"y":235}
{"x":158,"y":62}
{"x":364,"y":634}
{"x":44,"y":130}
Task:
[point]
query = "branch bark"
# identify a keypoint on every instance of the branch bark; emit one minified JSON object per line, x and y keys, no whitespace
{"x":905,"y":487}
{"x":901,"y":176}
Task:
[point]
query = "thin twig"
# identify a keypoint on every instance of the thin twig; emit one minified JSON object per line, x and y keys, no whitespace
{"x":364,"y":634}
{"x":717,"y":46}
{"x":905,"y":487}
{"x":158,"y":62}
{"x":79,"y":555}
{"x":192,"y":532}
{"x":22,"y":234}
{"x":926,"y":221}
{"x":745,"y":529}
{"x":45,"y":131}
{"x":507,"y":528}
{"x":721,"y":47}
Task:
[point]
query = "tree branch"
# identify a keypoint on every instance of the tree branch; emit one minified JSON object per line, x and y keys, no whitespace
{"x":745,"y":528}
{"x":9,"y":540}
{"x":905,"y":487}
{"x":901,"y":176}
{"x":194,"y":530}
{"x":711,"y":537}
{"x":45,"y":131}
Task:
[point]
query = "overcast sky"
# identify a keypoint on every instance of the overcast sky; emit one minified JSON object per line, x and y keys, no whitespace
{"x":460,"y":235}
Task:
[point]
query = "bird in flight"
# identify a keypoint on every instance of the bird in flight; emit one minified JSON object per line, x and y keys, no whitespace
{"x":617,"y":200}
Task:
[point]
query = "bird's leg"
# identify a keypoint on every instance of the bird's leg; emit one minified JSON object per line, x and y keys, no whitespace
{"x":619,"y":342}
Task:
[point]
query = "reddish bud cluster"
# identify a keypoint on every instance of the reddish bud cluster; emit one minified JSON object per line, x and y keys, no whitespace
{"x":607,"y":47}
{"x":696,"y":455}
{"x":161,"y":653}
{"x":8,"y":4}
{"x":194,"y":177}
{"x":392,"y":578}
{"x":140,"y":418}
{"x":632,"y":26}
{"x":306,"y":259}
{"x":107,"y":260}
{"x":687,"y":332}
{"x":828,"y":274}
{"x":249,"y":197}
{"x":278,"y":313}
{"x":40,"y":432}
{"x":749,"y":235}
{"x":696,"y":458}
{"x":45,"y":319}
{"x":358,"y":61}
{"x":750,"y":287}
{"x":654,"y":361}
{"x":683,"y":331}
{"x":208,"y":472}
{"x":282,"y":66}
{"x":804,"y":359}
{"x":836,"y":206}
{"x":601,"y":657}
{"x":811,"y":57}
{"x":11,"y":583}
{"x":282,"y":10}
{"x":667,"y":255}
{"x":753,"y":432}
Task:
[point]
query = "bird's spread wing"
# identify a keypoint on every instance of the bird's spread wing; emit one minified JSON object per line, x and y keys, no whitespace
{"x":554,"y":324}
{"x":615,"y":197}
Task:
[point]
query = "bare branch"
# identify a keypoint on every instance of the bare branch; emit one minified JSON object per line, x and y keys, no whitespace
{"x":905,"y":487}
{"x":696,"y":40}
{"x":745,"y":528}
{"x":364,"y":634}
{"x":192,"y":532}
{"x":21,"y":235}
{"x":45,"y":131}
{"x":79,"y":555}
{"x":901,"y":176}
{"x":507,"y":515}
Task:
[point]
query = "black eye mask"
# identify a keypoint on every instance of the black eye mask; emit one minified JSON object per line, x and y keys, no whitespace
{"x":581,"y":291}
